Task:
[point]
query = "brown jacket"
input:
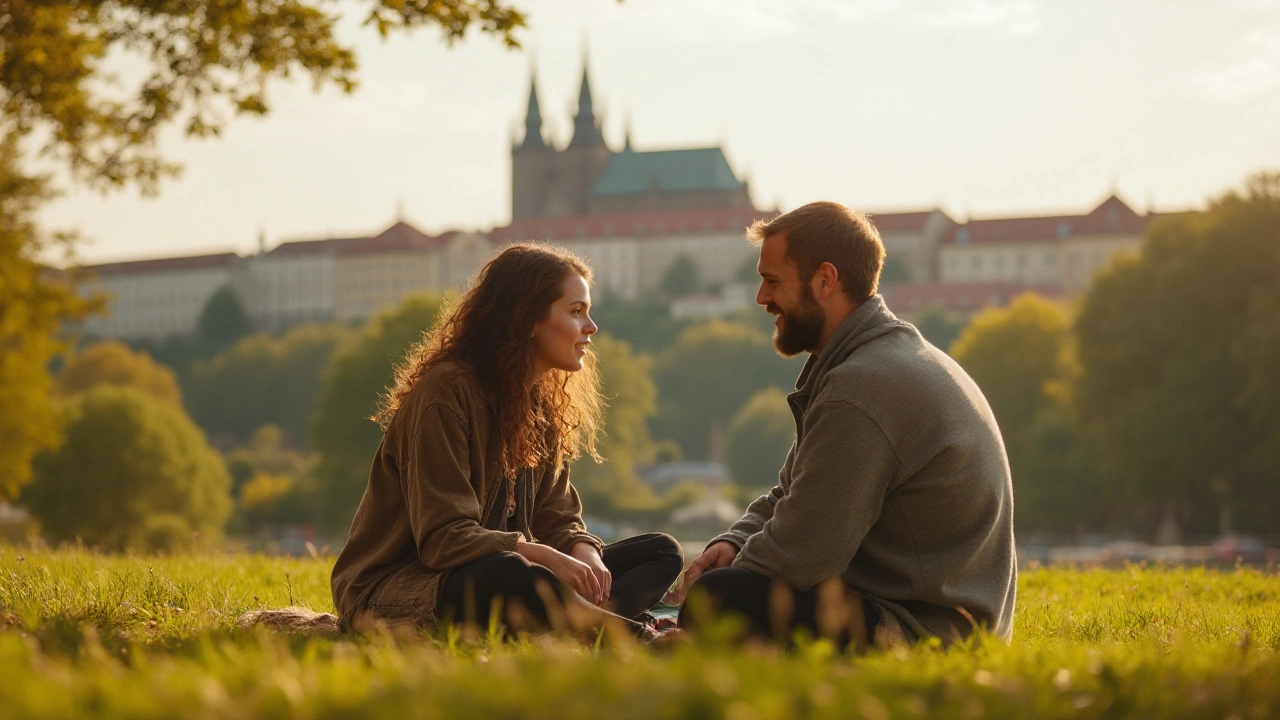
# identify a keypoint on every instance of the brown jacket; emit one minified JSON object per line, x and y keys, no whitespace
{"x":434,"y":477}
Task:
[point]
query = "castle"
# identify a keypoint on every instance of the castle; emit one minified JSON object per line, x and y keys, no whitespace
{"x":587,"y":177}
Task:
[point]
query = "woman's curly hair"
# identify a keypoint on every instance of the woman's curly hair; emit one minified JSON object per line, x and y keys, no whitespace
{"x":489,"y":329}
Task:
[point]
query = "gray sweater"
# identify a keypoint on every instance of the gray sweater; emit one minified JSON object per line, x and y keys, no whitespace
{"x":897,"y":482}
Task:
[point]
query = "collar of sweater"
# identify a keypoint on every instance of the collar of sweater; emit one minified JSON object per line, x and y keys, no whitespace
{"x":871,"y":320}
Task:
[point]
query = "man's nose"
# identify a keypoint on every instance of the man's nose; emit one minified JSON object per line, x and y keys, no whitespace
{"x":762,"y":295}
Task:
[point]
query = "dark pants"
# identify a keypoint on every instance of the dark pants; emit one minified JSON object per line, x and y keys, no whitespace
{"x":643,"y":567}
{"x":773,"y":610}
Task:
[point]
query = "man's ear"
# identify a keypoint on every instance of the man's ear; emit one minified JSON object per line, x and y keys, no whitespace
{"x":828,"y":280}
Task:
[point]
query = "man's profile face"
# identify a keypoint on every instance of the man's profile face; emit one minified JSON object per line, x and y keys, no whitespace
{"x":800,"y":319}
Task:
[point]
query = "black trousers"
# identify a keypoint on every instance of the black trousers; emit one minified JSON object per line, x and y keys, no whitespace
{"x":643,"y":567}
{"x":773,"y":610}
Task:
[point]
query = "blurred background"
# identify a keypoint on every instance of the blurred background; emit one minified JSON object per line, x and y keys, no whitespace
{"x":221,"y":224}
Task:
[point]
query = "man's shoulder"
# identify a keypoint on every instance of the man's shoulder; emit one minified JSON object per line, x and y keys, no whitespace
{"x":899,"y":357}
{"x":900,"y":375}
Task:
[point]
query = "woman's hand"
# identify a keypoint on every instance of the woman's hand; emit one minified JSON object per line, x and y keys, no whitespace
{"x":587,"y":553}
{"x":572,"y":571}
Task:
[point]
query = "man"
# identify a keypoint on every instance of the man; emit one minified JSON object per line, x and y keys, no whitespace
{"x":893,"y":514}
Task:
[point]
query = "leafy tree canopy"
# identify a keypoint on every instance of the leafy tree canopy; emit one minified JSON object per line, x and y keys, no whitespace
{"x":223,"y":319}
{"x":133,"y":473}
{"x":203,"y":62}
{"x":1022,"y":358}
{"x":760,"y":436}
{"x":1179,"y":366}
{"x":706,"y":377}
{"x":34,"y":303}
{"x":681,"y":277}
{"x":611,"y":488}
{"x":359,"y":373}
{"x":271,"y":482}
{"x":263,"y":380}
{"x":113,"y":363}
{"x":1015,"y":354}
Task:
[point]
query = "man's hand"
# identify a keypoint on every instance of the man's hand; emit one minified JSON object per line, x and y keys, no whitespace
{"x":587,"y":553}
{"x":572,"y":571}
{"x":717,"y":555}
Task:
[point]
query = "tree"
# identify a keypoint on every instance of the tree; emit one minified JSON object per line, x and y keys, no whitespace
{"x":646,"y":325}
{"x":707,"y":376}
{"x":1023,"y":359}
{"x":133,"y":473}
{"x":200,"y":62}
{"x":681,"y":277}
{"x":1178,"y":364}
{"x":1015,"y":354}
{"x":611,"y":488}
{"x":937,"y":328}
{"x":34,"y":303}
{"x":263,"y":380}
{"x":223,"y":320}
{"x":271,"y":483}
{"x":746,"y":272}
{"x":359,"y":373}
{"x":759,"y":438}
{"x":113,"y":363}
{"x":894,"y":271}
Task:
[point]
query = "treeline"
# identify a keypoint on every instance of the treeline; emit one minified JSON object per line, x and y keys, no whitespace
{"x":1153,"y":402}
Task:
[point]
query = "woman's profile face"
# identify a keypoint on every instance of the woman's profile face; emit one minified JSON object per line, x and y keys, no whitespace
{"x":560,"y":341}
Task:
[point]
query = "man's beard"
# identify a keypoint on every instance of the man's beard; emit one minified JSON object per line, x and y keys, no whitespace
{"x":801,"y":327}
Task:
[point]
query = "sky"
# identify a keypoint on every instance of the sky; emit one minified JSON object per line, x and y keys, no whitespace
{"x":981,"y":107}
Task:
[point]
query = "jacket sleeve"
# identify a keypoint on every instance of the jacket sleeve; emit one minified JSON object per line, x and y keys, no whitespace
{"x":757,"y":514}
{"x":557,"y":512}
{"x":444,"y":512}
{"x":842,"y":471}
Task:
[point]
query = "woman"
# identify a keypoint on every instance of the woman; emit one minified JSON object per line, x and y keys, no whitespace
{"x":469,"y":500}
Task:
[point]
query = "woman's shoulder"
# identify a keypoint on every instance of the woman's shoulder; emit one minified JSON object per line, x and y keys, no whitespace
{"x":449,"y":383}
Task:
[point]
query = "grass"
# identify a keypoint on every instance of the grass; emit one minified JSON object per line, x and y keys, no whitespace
{"x":89,"y":635}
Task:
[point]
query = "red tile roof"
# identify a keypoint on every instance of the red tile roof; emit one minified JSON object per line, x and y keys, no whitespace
{"x":194,"y":262}
{"x":629,"y":224}
{"x":902,"y":221}
{"x":1112,"y":216}
{"x":401,"y":236}
{"x":307,"y":247}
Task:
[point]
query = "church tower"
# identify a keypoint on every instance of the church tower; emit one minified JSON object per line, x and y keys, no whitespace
{"x":532,"y":162}
{"x":546,"y":182}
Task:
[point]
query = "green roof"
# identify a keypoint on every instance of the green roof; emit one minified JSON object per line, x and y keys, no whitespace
{"x":671,"y":171}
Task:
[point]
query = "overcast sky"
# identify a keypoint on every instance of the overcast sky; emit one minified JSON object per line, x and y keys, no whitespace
{"x":982,"y":107}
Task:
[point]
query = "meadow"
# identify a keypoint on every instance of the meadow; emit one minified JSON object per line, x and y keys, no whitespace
{"x":90,"y":635}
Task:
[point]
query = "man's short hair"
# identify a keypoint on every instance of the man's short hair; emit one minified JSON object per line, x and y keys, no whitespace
{"x":829,"y":232}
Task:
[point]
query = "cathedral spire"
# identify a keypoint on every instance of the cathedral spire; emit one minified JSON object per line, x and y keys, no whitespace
{"x":586,"y":129}
{"x":533,"y":118}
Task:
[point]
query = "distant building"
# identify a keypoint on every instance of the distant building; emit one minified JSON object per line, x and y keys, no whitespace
{"x":1062,"y":251}
{"x":587,"y":177}
{"x":629,"y":253}
{"x":329,"y":280}
{"x":155,"y":299}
